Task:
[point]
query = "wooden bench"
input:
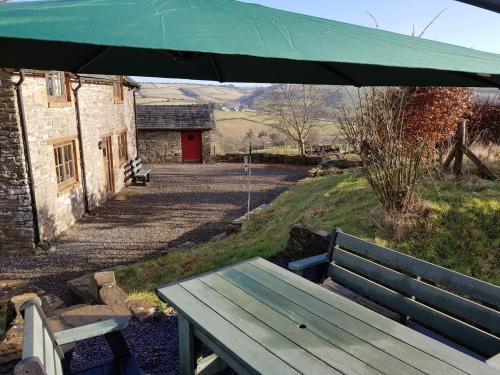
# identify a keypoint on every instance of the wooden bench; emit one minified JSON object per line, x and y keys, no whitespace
{"x":139,"y":175}
{"x":42,"y":354}
{"x":461,"y":308}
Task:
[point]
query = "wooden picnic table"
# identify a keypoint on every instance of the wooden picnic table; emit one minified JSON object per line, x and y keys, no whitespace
{"x":260,"y":318}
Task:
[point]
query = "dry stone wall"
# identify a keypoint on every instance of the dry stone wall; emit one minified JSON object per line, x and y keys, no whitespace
{"x":160,"y":146}
{"x":16,"y":220}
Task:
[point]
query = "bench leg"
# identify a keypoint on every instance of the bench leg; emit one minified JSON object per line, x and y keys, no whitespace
{"x":117,"y":344}
{"x":187,"y":352}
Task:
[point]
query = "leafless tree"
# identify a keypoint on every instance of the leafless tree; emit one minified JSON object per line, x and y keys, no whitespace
{"x":295,"y":110}
{"x":374,"y":127}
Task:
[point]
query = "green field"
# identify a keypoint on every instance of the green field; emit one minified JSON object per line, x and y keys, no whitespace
{"x":461,"y":232}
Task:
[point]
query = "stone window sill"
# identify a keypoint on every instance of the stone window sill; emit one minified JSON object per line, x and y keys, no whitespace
{"x":59,"y":104}
{"x":66,"y":188}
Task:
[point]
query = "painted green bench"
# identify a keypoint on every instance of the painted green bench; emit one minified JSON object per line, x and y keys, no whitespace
{"x":42,"y":354}
{"x":139,"y":174}
{"x":461,"y":308}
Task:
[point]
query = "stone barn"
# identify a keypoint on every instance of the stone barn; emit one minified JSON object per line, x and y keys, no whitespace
{"x":65,"y":142}
{"x":175,"y":133}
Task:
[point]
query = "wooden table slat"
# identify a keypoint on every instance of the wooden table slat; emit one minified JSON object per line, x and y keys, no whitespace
{"x":257,"y":358}
{"x":413,"y":338}
{"x":363,"y":351}
{"x":279,"y":345}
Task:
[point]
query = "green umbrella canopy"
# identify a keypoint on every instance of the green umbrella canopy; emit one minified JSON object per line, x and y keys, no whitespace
{"x":226,"y":40}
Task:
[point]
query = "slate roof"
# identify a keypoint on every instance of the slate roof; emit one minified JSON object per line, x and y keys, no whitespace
{"x":175,"y":117}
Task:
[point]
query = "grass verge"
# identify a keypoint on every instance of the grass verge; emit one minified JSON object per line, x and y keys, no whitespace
{"x":461,"y":231}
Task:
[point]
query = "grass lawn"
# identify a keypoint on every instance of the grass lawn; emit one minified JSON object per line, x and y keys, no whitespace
{"x":461,"y":232}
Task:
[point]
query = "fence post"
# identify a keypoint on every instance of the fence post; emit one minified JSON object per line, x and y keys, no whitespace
{"x":460,"y":143}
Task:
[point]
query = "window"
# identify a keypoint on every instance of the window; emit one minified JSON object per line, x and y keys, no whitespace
{"x":58,"y":89}
{"x":64,"y":156}
{"x":122,"y":146}
{"x":118,"y":90}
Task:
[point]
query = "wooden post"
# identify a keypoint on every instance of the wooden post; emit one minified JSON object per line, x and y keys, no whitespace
{"x":460,"y":143}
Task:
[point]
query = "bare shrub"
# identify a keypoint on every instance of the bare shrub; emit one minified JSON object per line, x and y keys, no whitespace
{"x":393,"y":159}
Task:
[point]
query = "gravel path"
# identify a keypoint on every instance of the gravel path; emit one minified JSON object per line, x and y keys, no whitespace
{"x":188,"y":202}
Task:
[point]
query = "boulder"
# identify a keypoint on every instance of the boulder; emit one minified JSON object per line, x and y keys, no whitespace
{"x":143,"y":310}
{"x":51,"y":302}
{"x":235,"y":226}
{"x":83,"y":289}
{"x":13,"y":314}
{"x":11,"y":346}
{"x":98,"y":279}
{"x":111,"y":294}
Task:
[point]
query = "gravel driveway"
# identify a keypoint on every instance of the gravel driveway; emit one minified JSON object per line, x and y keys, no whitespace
{"x":189,"y":202}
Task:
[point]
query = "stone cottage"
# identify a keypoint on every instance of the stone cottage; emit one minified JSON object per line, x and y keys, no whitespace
{"x":175,"y":133}
{"x":65,"y":141}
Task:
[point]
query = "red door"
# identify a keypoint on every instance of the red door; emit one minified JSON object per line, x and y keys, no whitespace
{"x":191,"y":146}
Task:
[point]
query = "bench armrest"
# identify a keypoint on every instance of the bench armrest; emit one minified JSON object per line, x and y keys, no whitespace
{"x":494,"y":361}
{"x":302,"y":264}
{"x":90,"y":330}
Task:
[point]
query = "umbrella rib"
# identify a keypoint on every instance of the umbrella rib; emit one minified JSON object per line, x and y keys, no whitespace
{"x":337,"y":72}
{"x":101,"y":52}
{"x":215,"y":67}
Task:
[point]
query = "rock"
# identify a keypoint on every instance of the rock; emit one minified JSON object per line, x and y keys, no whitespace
{"x":13,"y":314}
{"x":83,"y":289}
{"x":186,"y":245}
{"x":52,"y":249}
{"x":11,"y":348}
{"x":98,"y":279}
{"x":219,"y":236}
{"x":80,"y":316}
{"x":235,"y":226}
{"x":51,"y":302}
{"x":143,"y":310}
{"x":181,"y":247}
{"x":111,"y":294}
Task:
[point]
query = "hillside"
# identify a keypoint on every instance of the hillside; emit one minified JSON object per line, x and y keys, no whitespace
{"x":346,"y":201}
{"x":180,"y":93}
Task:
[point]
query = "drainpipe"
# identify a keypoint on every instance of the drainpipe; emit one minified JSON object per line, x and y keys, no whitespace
{"x":80,"y":145}
{"x":134,"y":90}
{"x":26,"y":147}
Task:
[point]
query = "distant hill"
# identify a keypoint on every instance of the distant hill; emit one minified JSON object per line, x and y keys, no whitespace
{"x":234,"y":96}
{"x":185,"y":93}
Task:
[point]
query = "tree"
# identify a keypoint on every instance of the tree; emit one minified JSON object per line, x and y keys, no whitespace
{"x":295,"y":110}
{"x":374,"y":126}
{"x":432,"y":113}
{"x":484,"y":120}
{"x":249,"y":137}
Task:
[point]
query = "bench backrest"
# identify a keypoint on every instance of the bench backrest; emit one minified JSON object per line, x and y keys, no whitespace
{"x":464,"y":309}
{"x":41,"y":354}
{"x":136,"y":165}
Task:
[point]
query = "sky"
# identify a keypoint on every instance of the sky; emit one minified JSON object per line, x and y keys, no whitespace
{"x":459,"y":24}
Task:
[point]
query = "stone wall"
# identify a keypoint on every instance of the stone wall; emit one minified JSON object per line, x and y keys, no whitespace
{"x":271,"y":159}
{"x":305,"y":241}
{"x":48,"y":125}
{"x":101,"y":117}
{"x":57,"y":210}
{"x":16,"y":220}
{"x":160,"y":146}
{"x":206,"y":147}
{"x":165,"y":146}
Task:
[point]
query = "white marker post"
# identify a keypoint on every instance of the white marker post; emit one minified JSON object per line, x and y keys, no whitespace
{"x":247,"y":160}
